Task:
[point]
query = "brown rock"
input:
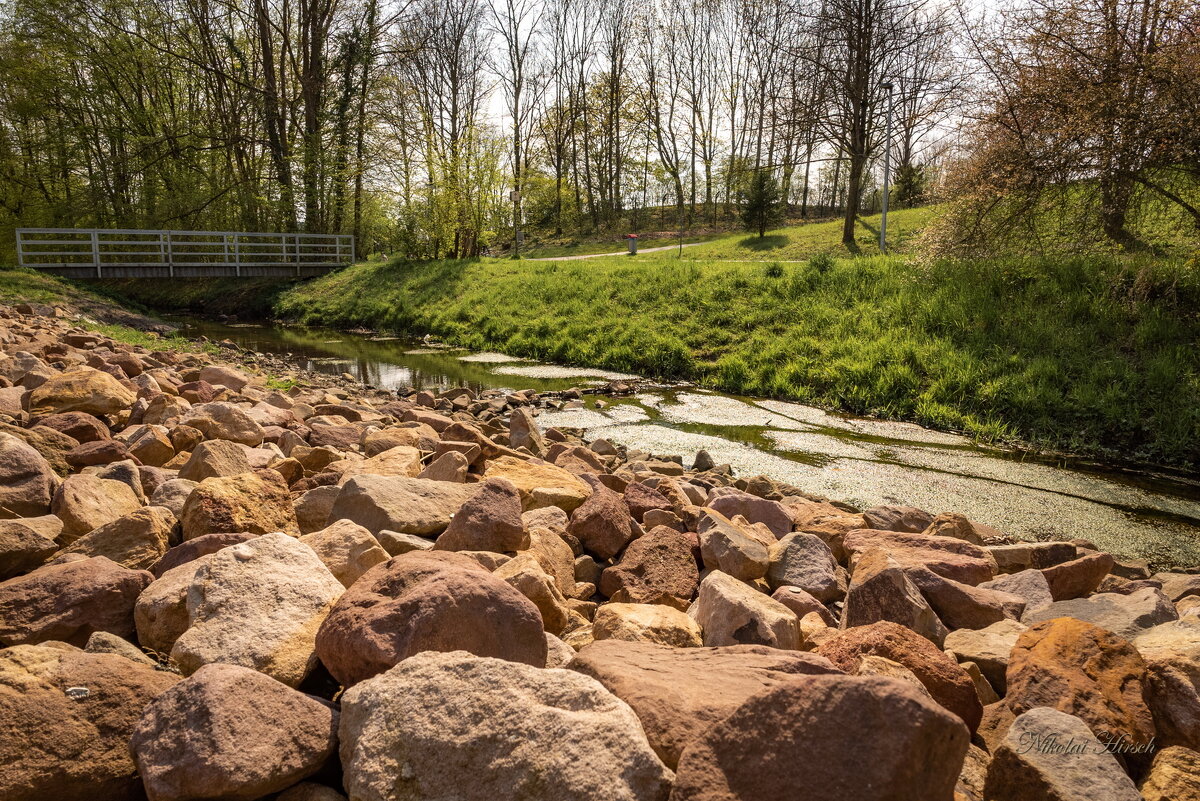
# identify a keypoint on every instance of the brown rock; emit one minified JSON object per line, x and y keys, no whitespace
{"x":961,"y":606}
{"x":1082,"y":670}
{"x":641,"y":499}
{"x":866,"y":738}
{"x":490,"y":520}
{"x":68,"y":716}
{"x":988,"y":648}
{"x":101,"y":451}
{"x":1078,"y":577}
{"x":256,"y":502}
{"x":948,"y":683}
{"x":69,"y":601}
{"x":954,"y":559}
{"x":27,"y":481}
{"x":86,"y":502}
{"x":427,"y":601}
{"x":730,"y":613}
{"x":347,"y":549}
{"x":657,"y":567}
{"x":80,"y":426}
{"x":396,"y":503}
{"x":960,"y":528}
{"x":136,"y":540}
{"x":656,"y":623}
{"x":215,"y":458}
{"x":772,"y":514}
{"x":81,"y":390}
{"x":736,"y":546}
{"x":22,"y":549}
{"x":196,"y":547}
{"x":1174,"y":776}
{"x":898,"y":518}
{"x":678,"y":693}
{"x":802,"y":603}
{"x":880,"y":590}
{"x":229,"y":732}
{"x":602,"y":523}
{"x":450,"y":466}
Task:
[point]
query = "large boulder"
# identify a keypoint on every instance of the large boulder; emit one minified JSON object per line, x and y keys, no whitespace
{"x":1174,"y":776}
{"x":453,"y":725}
{"x":197,"y":547}
{"x":347,"y":549}
{"x":173,"y":494}
{"x":948,"y":683}
{"x":224,"y":421}
{"x":490,"y":520}
{"x":27,"y":481}
{"x":22,"y":548}
{"x":257,"y":604}
{"x":229,"y":733}
{"x":86,"y":502}
{"x":656,"y":623}
{"x":805,"y":561}
{"x":1082,"y":670}
{"x":1124,"y":615}
{"x":735,"y":547}
{"x":427,"y":601}
{"x":256,"y":502}
{"x":678,"y":693}
{"x":526,"y":575}
{"x":397,"y":503}
{"x":539,"y":483}
{"x":953,"y":558}
{"x":136,"y":540}
{"x":962,"y":606}
{"x":880,"y":590}
{"x":1052,"y":756}
{"x":820,"y":738}
{"x":68,"y":716}
{"x":657,"y":567}
{"x":730,"y":613}
{"x":908,"y":519}
{"x":988,"y":648}
{"x":215,"y":458}
{"x":772,"y":514}
{"x":1078,"y":577}
{"x":69,"y":601}
{"x":160,"y":613}
{"x":81,"y":390}
{"x":602,"y":523}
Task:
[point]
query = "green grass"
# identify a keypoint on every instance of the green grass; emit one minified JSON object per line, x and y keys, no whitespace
{"x":1093,"y":355}
{"x":612,"y":244}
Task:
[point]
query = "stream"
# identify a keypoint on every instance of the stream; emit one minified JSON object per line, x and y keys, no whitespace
{"x":865,"y":462}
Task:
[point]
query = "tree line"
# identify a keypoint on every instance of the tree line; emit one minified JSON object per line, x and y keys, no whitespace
{"x":434,"y":128}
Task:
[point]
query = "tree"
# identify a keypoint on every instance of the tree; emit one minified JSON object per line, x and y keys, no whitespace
{"x":762,"y":202}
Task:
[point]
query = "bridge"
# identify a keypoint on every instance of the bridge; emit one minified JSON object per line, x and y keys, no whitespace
{"x":133,"y":253}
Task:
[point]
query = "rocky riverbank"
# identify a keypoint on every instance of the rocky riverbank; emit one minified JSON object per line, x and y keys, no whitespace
{"x":223,"y":578}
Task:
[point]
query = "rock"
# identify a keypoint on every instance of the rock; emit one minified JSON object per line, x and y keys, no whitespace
{"x":540,"y":484}
{"x":960,"y":528}
{"x":378,"y":440}
{"x":257,"y":604}
{"x":948,"y":683}
{"x":655,"y":623}
{"x":347,"y":549}
{"x":101,"y":642}
{"x":313,"y":508}
{"x":398,"y":461}
{"x":1174,"y":699}
{"x":160,"y":613}
{"x":880,"y":590}
{"x":86,"y":502}
{"x":99,"y":452}
{"x":427,"y":601}
{"x":151,"y":445}
{"x":678,"y":693}
{"x":868,"y":738}
{"x":961,"y":606}
{"x":954,"y":559}
{"x":734,"y":546}
{"x":731,"y":613}
{"x":450,"y":466}
{"x":805,"y":561}
{"x":872,"y":665}
{"x":57,"y":746}
{"x":225,"y":376}
{"x":988,"y":648}
{"x":1082,"y":670}
{"x":1176,"y":642}
{"x":396,"y":503}
{"x":1050,"y":755}
{"x":22,"y":549}
{"x":1123,"y":615}
{"x":396,"y":543}
{"x":555,"y":557}
{"x":602,"y":523}
{"x":898,"y":518}
{"x":525,"y":574}
{"x":126,"y":472}
{"x":309,"y":791}
{"x":1174,"y":776}
{"x":479,"y":729}
{"x":80,"y":426}
{"x":1078,"y":577}
{"x":196,"y":547}
{"x":802,"y":603}
{"x":173,"y":494}
{"x":523,"y":432}
{"x":558,"y":653}
{"x":490,"y":520}
{"x":1021,"y":556}
{"x":1178,"y":586}
{"x":771,"y":514}
{"x":229,"y":732}
{"x":70,"y":601}
{"x":256,"y":502}
{"x":215,"y":458}
{"x":641,"y":498}
{"x":224,"y":421}
{"x":27,"y":481}
{"x":136,"y":540}
{"x":82,"y":389}
{"x":1029,"y":585}
{"x":656,"y":568}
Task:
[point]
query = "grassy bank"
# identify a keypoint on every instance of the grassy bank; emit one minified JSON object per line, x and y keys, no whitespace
{"x":1092,"y":355}
{"x":250,"y":298}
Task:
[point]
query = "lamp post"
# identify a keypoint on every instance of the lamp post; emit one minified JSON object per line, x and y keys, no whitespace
{"x":887,"y":164}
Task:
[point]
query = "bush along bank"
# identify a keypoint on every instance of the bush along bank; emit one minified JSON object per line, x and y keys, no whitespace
{"x":212,"y":588}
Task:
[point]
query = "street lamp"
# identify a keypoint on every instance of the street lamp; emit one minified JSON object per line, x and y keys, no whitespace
{"x":887,"y":164}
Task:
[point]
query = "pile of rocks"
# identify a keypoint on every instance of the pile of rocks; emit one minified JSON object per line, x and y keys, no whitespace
{"x":210,"y":589}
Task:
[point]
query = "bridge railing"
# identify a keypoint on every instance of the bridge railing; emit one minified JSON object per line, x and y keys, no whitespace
{"x":134,"y":253}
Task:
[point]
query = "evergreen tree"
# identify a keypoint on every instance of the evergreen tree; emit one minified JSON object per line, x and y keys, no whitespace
{"x":762,"y":203}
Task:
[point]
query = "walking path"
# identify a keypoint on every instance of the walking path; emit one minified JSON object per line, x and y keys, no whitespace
{"x":618,"y":253}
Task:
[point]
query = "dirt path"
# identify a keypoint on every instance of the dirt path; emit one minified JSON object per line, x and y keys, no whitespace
{"x":618,"y":253}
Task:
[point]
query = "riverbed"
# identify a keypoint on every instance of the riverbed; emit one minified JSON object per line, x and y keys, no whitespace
{"x":1135,"y":514}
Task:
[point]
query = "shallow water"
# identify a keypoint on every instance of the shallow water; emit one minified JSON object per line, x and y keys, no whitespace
{"x":1134,"y":514}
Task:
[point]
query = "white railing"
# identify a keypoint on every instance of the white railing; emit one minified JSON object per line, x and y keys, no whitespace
{"x":125,"y":253}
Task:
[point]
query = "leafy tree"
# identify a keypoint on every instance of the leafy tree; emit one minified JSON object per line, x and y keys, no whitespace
{"x":762,"y":203}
